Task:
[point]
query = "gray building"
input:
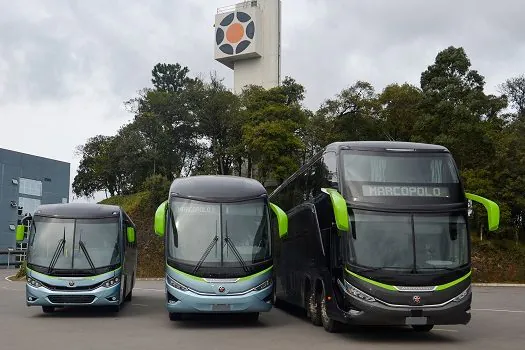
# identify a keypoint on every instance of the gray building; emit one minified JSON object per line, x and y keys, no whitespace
{"x":26,"y":181}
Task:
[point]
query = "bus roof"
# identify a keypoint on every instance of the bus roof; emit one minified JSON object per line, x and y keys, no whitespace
{"x":385,"y":145}
{"x":78,"y":210}
{"x":217,"y":188}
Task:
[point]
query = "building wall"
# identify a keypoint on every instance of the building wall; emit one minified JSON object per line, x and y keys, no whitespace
{"x":260,"y":63}
{"x":27,"y":180}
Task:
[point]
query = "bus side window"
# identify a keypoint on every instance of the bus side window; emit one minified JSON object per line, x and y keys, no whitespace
{"x":330,"y":164}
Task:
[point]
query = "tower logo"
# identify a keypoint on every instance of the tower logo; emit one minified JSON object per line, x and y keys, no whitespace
{"x":235,"y":33}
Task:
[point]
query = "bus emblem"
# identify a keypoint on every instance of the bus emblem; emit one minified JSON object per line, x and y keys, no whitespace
{"x":222,"y":289}
{"x":417,"y":299}
{"x":71,"y":283}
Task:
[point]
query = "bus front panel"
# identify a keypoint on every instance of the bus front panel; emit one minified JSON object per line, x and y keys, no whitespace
{"x":190,"y":294}
{"x":100,"y":290}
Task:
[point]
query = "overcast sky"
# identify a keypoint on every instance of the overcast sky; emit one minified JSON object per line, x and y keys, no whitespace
{"x":66,"y":67}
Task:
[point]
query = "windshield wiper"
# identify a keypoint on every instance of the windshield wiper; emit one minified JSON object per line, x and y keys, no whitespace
{"x":175,"y":233}
{"x":235,"y":251}
{"x":59,"y":249}
{"x":84,"y":250}
{"x":207,"y":251}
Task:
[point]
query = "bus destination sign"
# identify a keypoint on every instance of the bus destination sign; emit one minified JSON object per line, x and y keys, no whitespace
{"x":404,"y":191}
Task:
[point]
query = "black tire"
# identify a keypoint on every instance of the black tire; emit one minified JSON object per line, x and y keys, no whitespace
{"x":423,"y":328}
{"x":48,"y":309}
{"x":330,"y":325}
{"x":275,"y":301}
{"x":116,"y":308}
{"x":252,"y":317}
{"x":312,"y":308}
{"x":129,"y":296}
{"x":174,"y":316}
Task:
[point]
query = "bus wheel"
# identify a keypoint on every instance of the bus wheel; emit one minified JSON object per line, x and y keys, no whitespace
{"x":252,"y":316}
{"x":275,"y":301}
{"x":329,"y":324}
{"x":423,"y":328}
{"x":129,"y":296}
{"x":48,"y":309}
{"x":174,"y":316}
{"x":312,"y":308}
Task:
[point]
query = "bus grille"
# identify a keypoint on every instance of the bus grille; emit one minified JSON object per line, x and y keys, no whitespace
{"x":71,"y":299}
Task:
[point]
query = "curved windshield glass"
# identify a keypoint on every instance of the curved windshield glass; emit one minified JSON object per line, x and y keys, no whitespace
{"x":219,"y":234}
{"x":400,"y":177}
{"x":407,"y":241}
{"x":74,"y":244}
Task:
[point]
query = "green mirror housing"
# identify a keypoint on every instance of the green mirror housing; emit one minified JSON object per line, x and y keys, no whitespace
{"x":160,"y":219}
{"x":131,"y":234}
{"x":340,"y":209}
{"x":491,"y":207}
{"x":20,"y":233}
{"x":282,"y":220}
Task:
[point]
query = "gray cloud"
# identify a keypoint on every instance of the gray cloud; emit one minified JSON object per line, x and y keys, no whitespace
{"x":66,"y":67}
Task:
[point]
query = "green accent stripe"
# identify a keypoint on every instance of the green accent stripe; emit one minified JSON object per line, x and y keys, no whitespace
{"x":186,"y":274}
{"x":66,"y":277}
{"x":453,"y":283}
{"x":200,"y":279}
{"x":375,"y":283}
{"x":392,"y":288}
{"x":255,"y":275}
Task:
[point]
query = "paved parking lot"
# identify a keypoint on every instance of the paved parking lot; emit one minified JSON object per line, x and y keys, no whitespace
{"x":498,"y":322}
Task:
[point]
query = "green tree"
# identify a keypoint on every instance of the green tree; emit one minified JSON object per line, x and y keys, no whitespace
{"x":97,"y":170}
{"x":217,"y":113}
{"x":514,"y":90}
{"x":456,"y":112}
{"x":353,"y":114}
{"x":271,"y":131}
{"x":400,"y":110}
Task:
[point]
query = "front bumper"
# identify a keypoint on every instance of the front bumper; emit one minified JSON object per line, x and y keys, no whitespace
{"x":377,"y":313}
{"x":101,"y":296}
{"x":189,"y":302}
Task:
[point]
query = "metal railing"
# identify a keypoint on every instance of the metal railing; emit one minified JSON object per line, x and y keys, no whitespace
{"x":241,"y":5}
{"x":17,"y":253}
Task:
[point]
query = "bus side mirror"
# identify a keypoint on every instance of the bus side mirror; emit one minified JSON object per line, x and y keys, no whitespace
{"x":131,"y":234}
{"x":282,"y":220}
{"x":491,"y":207}
{"x":160,"y":219}
{"x":340,"y":209}
{"x":20,"y":233}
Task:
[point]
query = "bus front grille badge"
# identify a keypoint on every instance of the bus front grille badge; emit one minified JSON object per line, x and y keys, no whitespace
{"x":221,"y":289}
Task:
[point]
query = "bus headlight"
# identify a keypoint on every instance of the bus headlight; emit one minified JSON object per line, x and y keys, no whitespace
{"x":176,"y":284}
{"x":111,"y":282}
{"x":33,"y":282}
{"x":263,"y":285}
{"x":462,"y":295}
{"x":353,"y":291}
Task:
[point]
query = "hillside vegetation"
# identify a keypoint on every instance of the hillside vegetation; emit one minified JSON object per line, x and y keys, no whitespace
{"x":151,"y":247}
{"x":493,"y":260}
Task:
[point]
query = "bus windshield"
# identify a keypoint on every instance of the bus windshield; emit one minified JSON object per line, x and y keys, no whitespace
{"x":66,"y":244}
{"x":420,"y":242}
{"x":218,"y":234}
{"x":385,"y":177}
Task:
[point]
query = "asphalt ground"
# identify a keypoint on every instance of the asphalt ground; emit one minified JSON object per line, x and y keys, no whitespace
{"x":498,"y":322}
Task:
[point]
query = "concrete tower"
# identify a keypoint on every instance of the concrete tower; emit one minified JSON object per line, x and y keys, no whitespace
{"x":248,"y":40}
